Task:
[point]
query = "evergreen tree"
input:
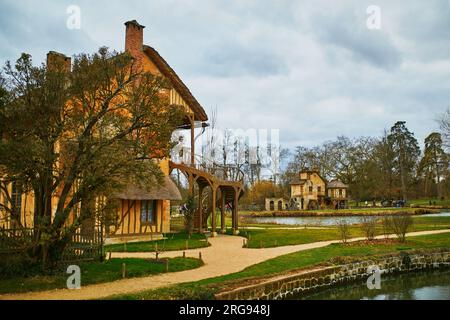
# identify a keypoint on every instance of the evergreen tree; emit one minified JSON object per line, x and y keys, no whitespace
{"x":406,"y":153}
{"x":434,"y":162}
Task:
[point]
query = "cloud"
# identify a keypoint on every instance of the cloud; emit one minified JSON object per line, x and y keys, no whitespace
{"x":309,"y":68}
{"x":345,"y":29}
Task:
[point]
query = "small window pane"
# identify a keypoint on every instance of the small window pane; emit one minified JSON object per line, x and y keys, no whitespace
{"x":143,"y":211}
{"x":150,"y":211}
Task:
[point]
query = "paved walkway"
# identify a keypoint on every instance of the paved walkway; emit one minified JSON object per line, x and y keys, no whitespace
{"x":224,"y":256}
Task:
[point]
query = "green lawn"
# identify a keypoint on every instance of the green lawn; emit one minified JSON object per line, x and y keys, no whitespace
{"x":98,"y":272}
{"x":265,"y":238}
{"x":426,"y":202}
{"x":430,"y":223}
{"x":333,"y":254}
{"x":174,"y":241}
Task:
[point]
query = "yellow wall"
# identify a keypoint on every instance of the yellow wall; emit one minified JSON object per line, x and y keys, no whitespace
{"x":26,"y":212}
{"x":334,"y":193}
{"x":130,"y":219}
{"x":312,"y":180}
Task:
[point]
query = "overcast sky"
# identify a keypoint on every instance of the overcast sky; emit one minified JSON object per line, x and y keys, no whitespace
{"x":309,"y":68}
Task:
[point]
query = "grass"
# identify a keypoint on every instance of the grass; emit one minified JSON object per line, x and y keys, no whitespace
{"x":426,"y":202}
{"x":98,"y":272}
{"x":174,"y":241}
{"x":205,"y":289}
{"x":266,"y":238}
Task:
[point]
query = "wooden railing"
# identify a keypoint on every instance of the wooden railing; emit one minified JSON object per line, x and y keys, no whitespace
{"x":82,"y":246}
{"x":223,"y":172}
{"x":16,"y":239}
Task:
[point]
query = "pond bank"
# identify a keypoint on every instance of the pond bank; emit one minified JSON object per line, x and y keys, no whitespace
{"x":421,"y":285}
{"x":305,"y":282}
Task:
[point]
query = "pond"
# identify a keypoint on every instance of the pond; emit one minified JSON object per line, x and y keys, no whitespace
{"x":326,"y":221}
{"x":432,"y":285}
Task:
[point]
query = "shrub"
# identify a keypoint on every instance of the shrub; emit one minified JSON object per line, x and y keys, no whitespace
{"x":368,"y":226}
{"x":386,"y":225}
{"x":344,"y":230}
{"x":18,"y":265}
{"x":189,"y":214}
{"x":400,"y":226}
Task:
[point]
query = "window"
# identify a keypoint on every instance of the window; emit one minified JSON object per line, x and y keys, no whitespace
{"x":319,"y":189}
{"x":310,"y":190}
{"x":16,"y":198}
{"x":340,"y":192}
{"x":148,"y":211}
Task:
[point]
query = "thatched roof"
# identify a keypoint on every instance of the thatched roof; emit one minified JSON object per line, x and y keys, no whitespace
{"x":333,"y":184}
{"x":157,"y":191}
{"x":297,"y":180}
{"x":181,"y":88}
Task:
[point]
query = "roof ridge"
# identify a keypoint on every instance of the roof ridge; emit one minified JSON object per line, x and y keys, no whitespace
{"x":179,"y":85}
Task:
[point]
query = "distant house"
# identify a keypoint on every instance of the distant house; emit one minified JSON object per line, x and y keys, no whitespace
{"x":337,"y":194}
{"x":310,"y":191}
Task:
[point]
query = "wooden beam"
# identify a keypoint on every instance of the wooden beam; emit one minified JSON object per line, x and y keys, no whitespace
{"x":235,"y":211}
{"x":200,"y":208}
{"x":222,"y":213}
{"x":213,"y":211}
{"x":192,"y":120}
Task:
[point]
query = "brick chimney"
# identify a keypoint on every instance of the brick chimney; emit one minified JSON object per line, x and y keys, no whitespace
{"x":134,"y":40}
{"x":56,"y":60}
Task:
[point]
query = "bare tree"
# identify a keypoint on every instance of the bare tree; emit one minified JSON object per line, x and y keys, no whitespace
{"x":368,"y":225}
{"x":400,"y":225}
{"x":445,"y":128}
{"x":344,"y":230}
{"x":386,"y":225}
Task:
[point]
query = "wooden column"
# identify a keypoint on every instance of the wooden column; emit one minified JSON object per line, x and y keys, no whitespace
{"x":192,"y":120}
{"x":223,"y":228}
{"x":200,"y":208}
{"x":191,"y":183}
{"x":235,"y":212}
{"x":213,"y":211}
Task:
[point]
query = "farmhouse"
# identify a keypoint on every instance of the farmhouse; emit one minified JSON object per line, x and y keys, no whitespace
{"x":310,"y":191}
{"x":145,"y":213}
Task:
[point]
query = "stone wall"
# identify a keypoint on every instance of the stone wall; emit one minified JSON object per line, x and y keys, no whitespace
{"x":305,"y":282}
{"x":275,"y":202}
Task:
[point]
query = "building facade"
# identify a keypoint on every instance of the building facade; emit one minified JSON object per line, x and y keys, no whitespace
{"x":337,"y":196}
{"x":310,"y":191}
{"x":142,"y":213}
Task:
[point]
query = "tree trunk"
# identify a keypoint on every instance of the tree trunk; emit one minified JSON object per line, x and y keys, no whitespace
{"x":438,"y":184}
{"x":402,"y":177}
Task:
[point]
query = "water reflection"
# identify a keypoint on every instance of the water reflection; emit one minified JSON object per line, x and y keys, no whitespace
{"x":414,"y":286}
{"x":326,"y":221}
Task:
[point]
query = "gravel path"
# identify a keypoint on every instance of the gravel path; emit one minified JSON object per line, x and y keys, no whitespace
{"x":225,"y":255}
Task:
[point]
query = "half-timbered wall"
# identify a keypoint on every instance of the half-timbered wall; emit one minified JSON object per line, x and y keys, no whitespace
{"x":130,"y":222}
{"x":26,"y":209}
